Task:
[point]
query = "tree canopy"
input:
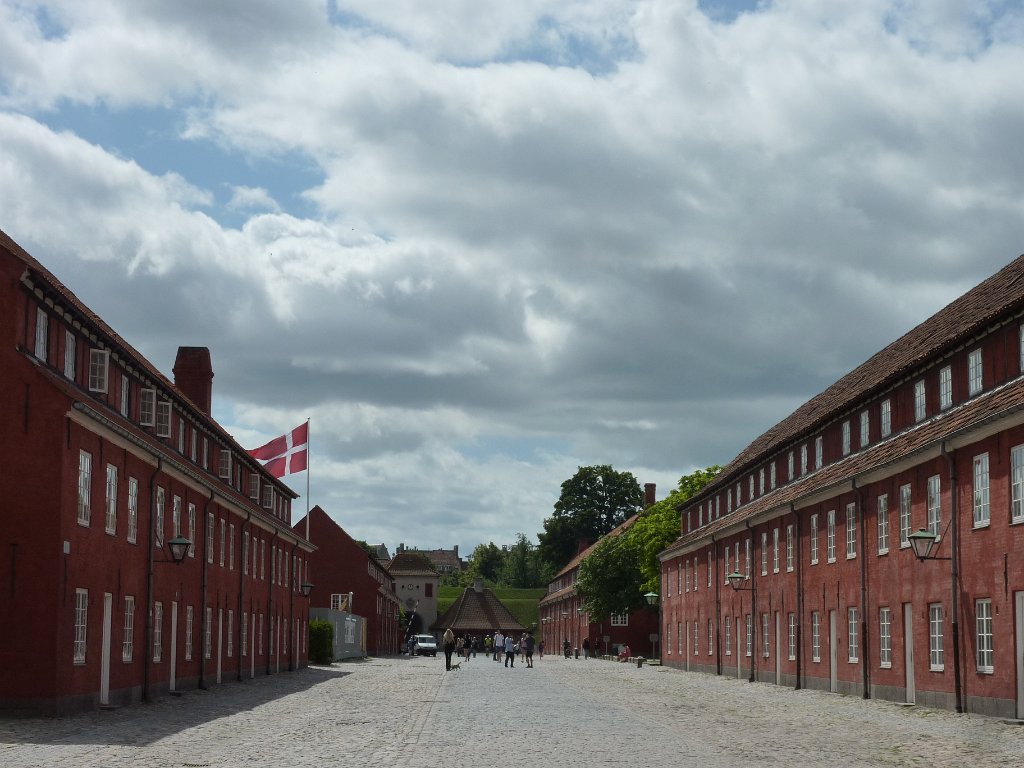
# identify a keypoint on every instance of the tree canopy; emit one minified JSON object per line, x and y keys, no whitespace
{"x":593,"y":502}
{"x":618,"y":572}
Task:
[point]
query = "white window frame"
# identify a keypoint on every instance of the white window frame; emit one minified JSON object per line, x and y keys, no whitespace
{"x":158,"y":631}
{"x":791,"y":464}
{"x":775,"y":549}
{"x":851,"y":531}
{"x":945,"y":387}
{"x":84,"y":487}
{"x":792,"y":637}
{"x":885,"y":413}
{"x":209,"y":536}
{"x":147,"y":406}
{"x":1017,"y":484}
{"x":803,"y":459}
{"x":983,"y":636}
{"x":885,"y":638}
{"x":865,"y":429}
{"x":223,"y":541}
{"x":133,"y":510}
{"x":819,"y":451}
{"x":771,"y":475}
{"x":617,"y":619}
{"x":982,"y":511}
{"x":231,"y":546}
{"x":814,"y":539}
{"x":208,"y":634}
{"x":70,"y":354}
{"x":936,"y":651}
{"x":254,"y":486}
{"x":224,"y":465}
{"x":853,"y":636}
{"x":110,"y":518}
{"x":920,"y":401}
{"x":99,"y":366}
{"x":750,"y":635}
{"x":163,"y":418}
{"x":158,"y":527}
{"x":766,"y":643}
{"x":42,"y":339}
{"x":830,"y":536}
{"x":883,"y":523}
{"x":728,"y":635}
{"x":711,"y":637}
{"x":749,"y":546}
{"x":846,"y":438}
{"x":126,"y":390}
{"x":935,"y":505}
{"x":81,"y":626}
{"x":189,"y":615}
{"x":906,"y":515}
{"x":128,"y":639}
{"x":176,"y":515}
{"x":231,"y":634}
{"x":815,"y":637}
{"x":192,"y":529}
{"x":790,"y":541}
{"x":764,"y":553}
{"x":975,"y":372}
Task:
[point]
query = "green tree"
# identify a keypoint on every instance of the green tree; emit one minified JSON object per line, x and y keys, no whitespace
{"x":524,"y":568}
{"x":593,"y":502}
{"x":486,"y":562}
{"x":620,"y":570}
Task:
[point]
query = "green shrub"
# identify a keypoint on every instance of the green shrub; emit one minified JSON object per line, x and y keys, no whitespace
{"x":321,"y":641}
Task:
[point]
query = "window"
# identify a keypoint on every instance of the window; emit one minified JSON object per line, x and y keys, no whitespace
{"x":254,"y":487}
{"x":885,"y":638}
{"x":231,"y":622}
{"x":128,"y":641}
{"x":696,"y":639}
{"x":133,"y":509}
{"x":865,"y":429}
{"x":194,"y":447}
{"x":814,"y":539}
{"x":846,"y":438}
{"x":268,"y":496}
{"x":686,"y":569}
{"x":70,"y":344}
{"x":244,"y":621}
{"x":84,"y":487}
{"x":775,"y":550}
{"x":711,"y":637}
{"x":192,"y":529}
{"x":815,"y":636}
{"x":110,"y":518}
{"x":98,"y":363}
{"x":126,"y":387}
{"x":790,"y":465}
{"x":750,"y":488}
{"x":163,"y":419}
{"x":727,"y":569}
{"x":206,"y":453}
{"x":158,"y":524}
{"x":764,"y":553}
{"x":188,"y":633}
{"x":176,"y":515}
{"x":883,"y":524}
{"x":223,"y":540}
{"x":920,"y":406}
{"x":1017,"y":484}
{"x":934,"y":505}
{"x":208,"y":634}
{"x":760,"y":481}
{"x":851,"y":531}
{"x":981,"y":509}
{"x":260,"y":633}
{"x":886,"y":418}
{"x":147,"y":407}
{"x":803,"y":460}
{"x":983,"y":629}
{"x":830,"y":537}
{"x":792,"y":636}
{"x":158,"y":631}
{"x":974,"y":374}
{"x":209,"y":537}
{"x":819,"y":451}
{"x":765,"y":641}
{"x":224,"y":468}
{"x":81,"y":621}
{"x":42,"y":333}
{"x":789,"y":547}
{"x":771,"y":475}
{"x":729,"y":504}
{"x":750,"y":635}
{"x":620,"y":619}
{"x":181,"y":436}
{"x":263,"y":560}
{"x":746,"y":572}
{"x":231,"y":546}
{"x":245,"y":556}
{"x":853,"y":635}
{"x":935,"y":654}
{"x":945,"y":387}
{"x":728,"y":635}
{"x":905,"y":515}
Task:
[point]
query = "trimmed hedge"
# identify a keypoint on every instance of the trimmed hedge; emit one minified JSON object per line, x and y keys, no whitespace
{"x":321,"y":641}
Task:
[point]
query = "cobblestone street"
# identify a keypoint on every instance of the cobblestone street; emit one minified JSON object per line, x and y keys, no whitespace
{"x":409,"y":712}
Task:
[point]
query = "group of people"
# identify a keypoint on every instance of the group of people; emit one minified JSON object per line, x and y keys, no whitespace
{"x":495,"y":646}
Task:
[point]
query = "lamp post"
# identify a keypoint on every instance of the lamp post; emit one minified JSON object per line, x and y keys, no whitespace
{"x":735,"y":579}
{"x":923,"y":542}
{"x":652,"y":600}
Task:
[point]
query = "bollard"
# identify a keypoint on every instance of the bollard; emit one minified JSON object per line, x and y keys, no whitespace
{"x":639,"y":661}
{"x":577,"y":650}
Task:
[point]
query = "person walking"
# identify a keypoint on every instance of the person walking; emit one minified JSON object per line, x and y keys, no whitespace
{"x":540,"y":647}
{"x":528,"y":646}
{"x":499,"y":644}
{"x":586,"y":648}
{"x":449,"y":647}
{"x":510,"y":651}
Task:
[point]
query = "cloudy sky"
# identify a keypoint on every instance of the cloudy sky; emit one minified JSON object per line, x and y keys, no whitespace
{"x":482,"y":243}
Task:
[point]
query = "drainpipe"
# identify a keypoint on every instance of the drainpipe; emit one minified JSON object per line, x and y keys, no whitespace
{"x":274,"y":573}
{"x":865,"y":651}
{"x":718,"y":613}
{"x":799,"y":598}
{"x":241,"y":591}
{"x":954,"y":570}
{"x":206,"y":578}
{"x":291,"y":607}
{"x":150,"y":583}
{"x":753,"y":608}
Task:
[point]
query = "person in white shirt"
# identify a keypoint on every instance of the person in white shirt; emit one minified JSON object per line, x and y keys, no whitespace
{"x":510,"y":651}
{"x":499,"y":644}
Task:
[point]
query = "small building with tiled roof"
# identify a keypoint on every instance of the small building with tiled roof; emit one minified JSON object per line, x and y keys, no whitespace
{"x":797,"y":564}
{"x":416,"y":584}
{"x":445,"y":561}
{"x":478,"y":611}
{"x":563,"y":617}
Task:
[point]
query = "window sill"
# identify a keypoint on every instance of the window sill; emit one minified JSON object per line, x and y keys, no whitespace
{"x":986,"y":670}
{"x":816,"y":661}
{"x":851,"y":557}
{"x":831,"y":560}
{"x":885,"y":665}
{"x":941,"y":668}
{"x":985,"y":524}
{"x":853,"y":661}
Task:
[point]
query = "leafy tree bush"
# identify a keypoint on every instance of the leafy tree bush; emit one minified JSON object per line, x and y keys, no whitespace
{"x":321,"y":641}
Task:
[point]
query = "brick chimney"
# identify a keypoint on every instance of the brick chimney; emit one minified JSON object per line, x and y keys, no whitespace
{"x":193,"y":375}
{"x":650,"y":495}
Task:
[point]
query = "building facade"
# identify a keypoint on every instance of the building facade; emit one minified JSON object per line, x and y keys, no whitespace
{"x":817,"y":519}
{"x":107,"y":463}
{"x":563,"y":616}
{"x":416,"y":584}
{"x":349,"y":579}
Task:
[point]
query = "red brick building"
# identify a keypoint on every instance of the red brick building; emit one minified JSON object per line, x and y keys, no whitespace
{"x":343,"y":567}
{"x":817,"y":517}
{"x":105,"y":462}
{"x":562,"y":616}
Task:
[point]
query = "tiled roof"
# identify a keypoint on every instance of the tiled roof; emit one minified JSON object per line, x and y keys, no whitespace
{"x":1003,"y":402}
{"x":478,"y":612}
{"x":1001,"y":294}
{"x":411,"y":564}
{"x":616,"y":531}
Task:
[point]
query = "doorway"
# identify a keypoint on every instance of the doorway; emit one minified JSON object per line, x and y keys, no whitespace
{"x":108,"y":604}
{"x":833,"y":662}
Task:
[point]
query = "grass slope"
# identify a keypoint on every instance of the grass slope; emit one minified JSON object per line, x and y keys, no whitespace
{"x":521,"y":603}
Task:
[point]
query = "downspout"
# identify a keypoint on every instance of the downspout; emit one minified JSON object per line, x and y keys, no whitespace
{"x":865,"y":653}
{"x":718,"y":612}
{"x":799,"y":598}
{"x":274,"y":574}
{"x":292,"y":661}
{"x":207,"y":555}
{"x":150,"y":583}
{"x":753,"y":609}
{"x":241,"y":592}
{"x":954,"y":569}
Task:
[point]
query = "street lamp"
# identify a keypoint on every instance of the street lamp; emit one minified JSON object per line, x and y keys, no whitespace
{"x":735,"y":579}
{"x":306,"y":588}
{"x":179,"y":547}
{"x":923,"y":543}
{"x":652,"y":600}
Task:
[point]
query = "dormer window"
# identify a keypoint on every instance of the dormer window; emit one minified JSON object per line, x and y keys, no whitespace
{"x":99,"y":360}
{"x":974,"y":372}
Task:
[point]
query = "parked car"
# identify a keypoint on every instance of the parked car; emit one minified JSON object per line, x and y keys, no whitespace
{"x":425,"y":645}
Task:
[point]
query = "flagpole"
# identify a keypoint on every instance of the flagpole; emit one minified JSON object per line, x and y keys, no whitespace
{"x":307,"y":476}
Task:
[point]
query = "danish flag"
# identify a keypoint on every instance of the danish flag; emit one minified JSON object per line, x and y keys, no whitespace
{"x":285,"y":455}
